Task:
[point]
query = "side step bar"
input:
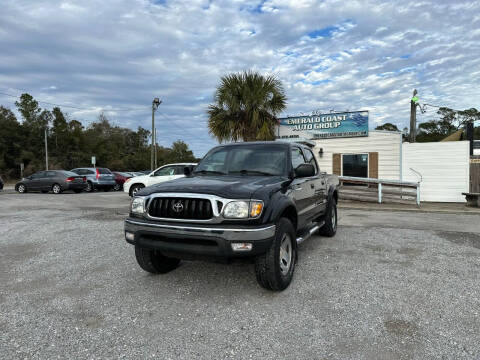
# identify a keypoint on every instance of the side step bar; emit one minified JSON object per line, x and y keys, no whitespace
{"x":310,"y":232}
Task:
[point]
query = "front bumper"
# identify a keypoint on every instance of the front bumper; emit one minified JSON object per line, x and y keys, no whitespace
{"x":192,"y":241}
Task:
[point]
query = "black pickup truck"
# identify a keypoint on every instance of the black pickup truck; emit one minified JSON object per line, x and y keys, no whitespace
{"x":254,"y":199}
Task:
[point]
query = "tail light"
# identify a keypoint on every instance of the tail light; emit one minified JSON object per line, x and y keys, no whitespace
{"x":98,"y":174}
{"x":70,"y":179}
{"x":84,"y":179}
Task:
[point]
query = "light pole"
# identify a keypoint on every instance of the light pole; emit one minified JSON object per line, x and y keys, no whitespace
{"x":46,"y":150}
{"x":413,"y":116}
{"x":153,"y":163}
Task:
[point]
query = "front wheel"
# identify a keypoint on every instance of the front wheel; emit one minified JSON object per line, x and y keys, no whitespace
{"x":56,"y":189}
{"x":274,"y":269}
{"x":117,"y":187}
{"x":154,"y":261}
{"x":22,"y":189}
{"x":330,"y":227}
{"x":136,"y":188}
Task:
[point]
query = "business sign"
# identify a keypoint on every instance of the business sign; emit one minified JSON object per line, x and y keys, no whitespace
{"x":324,"y":126}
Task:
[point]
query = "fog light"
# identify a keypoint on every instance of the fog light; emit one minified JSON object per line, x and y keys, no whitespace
{"x":241,"y":246}
{"x":129,"y":236}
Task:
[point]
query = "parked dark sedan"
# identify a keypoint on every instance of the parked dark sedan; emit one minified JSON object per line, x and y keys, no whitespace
{"x":52,"y":180}
{"x":1,"y":183}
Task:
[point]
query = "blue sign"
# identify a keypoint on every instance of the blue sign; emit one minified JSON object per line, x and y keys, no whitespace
{"x":324,"y":126}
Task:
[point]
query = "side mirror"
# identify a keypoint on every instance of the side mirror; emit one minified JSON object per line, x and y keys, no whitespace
{"x":304,"y":170}
{"x":187,"y":170}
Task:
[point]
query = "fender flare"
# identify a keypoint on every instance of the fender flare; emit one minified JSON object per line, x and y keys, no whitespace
{"x":330,"y":195}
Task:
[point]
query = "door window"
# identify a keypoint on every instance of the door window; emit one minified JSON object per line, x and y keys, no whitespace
{"x":310,"y":159}
{"x":50,"y":174}
{"x":165,"y":171}
{"x":38,"y":175}
{"x":297,"y":157}
{"x":180,"y":170}
{"x":355,"y":165}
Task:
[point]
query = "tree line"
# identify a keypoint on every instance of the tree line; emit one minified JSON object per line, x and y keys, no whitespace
{"x":71,"y":144}
{"x":448,"y":122}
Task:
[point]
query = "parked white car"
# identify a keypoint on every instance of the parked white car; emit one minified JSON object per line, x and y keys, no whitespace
{"x":164,"y":173}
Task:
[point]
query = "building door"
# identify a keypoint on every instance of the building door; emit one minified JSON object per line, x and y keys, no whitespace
{"x":355,"y":165}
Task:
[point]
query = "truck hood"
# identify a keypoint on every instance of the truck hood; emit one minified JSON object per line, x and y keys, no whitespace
{"x":233,"y":187}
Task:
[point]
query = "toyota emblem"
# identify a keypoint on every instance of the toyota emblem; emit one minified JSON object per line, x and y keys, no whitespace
{"x":177,"y":207}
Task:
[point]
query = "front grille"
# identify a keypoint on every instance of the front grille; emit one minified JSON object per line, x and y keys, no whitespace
{"x":180,"y":208}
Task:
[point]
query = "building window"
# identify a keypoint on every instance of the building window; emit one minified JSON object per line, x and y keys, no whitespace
{"x":355,"y":165}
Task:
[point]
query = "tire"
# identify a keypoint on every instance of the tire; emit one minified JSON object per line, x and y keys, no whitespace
{"x":21,"y":188}
{"x":155,"y":262}
{"x":117,"y":187}
{"x":56,"y":189}
{"x":331,"y":219}
{"x":77,"y":191}
{"x":274,"y":269}
{"x":89,"y":187}
{"x":135,"y":188}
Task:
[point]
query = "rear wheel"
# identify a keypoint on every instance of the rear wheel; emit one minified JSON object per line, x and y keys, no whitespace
{"x":274,"y":269}
{"x":154,"y":261}
{"x":136,"y":188}
{"x":89,"y":187}
{"x":22,"y":189}
{"x":56,"y":189}
{"x":330,"y":227}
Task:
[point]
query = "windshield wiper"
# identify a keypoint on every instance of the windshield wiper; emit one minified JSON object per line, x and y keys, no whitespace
{"x":245,"y":172}
{"x":209,"y":172}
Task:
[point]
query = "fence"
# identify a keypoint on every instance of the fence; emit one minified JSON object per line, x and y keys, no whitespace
{"x":379,"y":190}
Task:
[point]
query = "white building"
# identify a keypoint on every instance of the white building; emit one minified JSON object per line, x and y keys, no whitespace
{"x":344,"y":146}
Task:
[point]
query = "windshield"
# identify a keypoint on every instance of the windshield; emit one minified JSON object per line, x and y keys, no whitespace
{"x":245,"y":160}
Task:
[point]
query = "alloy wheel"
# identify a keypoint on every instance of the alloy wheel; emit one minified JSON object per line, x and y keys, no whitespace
{"x":334,"y":218}
{"x":56,"y":189}
{"x":21,"y":188}
{"x":285,"y":254}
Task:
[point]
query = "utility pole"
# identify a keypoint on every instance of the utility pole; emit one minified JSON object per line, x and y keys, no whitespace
{"x":413,"y":116}
{"x":155,"y":160}
{"x":46,"y":150}
{"x":153,"y":163}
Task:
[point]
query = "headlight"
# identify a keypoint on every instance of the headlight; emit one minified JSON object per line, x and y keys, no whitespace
{"x":138,"y":205}
{"x":243,"y":209}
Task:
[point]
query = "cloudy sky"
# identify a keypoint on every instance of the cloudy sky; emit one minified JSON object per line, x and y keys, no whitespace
{"x":120,"y":54}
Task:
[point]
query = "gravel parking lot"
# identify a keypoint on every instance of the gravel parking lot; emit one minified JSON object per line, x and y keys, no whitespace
{"x":390,"y":285}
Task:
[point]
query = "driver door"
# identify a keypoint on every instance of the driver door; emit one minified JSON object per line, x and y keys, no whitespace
{"x":303,"y":191}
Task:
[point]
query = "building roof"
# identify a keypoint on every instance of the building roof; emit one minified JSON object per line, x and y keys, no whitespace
{"x":456,"y":136}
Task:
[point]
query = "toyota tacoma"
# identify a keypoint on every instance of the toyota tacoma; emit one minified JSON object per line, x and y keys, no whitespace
{"x":255,"y":200}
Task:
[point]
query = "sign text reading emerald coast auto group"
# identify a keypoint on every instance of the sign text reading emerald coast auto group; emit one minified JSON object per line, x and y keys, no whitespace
{"x":320,"y":126}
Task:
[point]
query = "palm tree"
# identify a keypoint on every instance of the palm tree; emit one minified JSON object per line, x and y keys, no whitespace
{"x":246,"y":106}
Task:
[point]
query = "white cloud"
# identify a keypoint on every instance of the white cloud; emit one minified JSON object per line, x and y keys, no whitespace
{"x":122,"y":53}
